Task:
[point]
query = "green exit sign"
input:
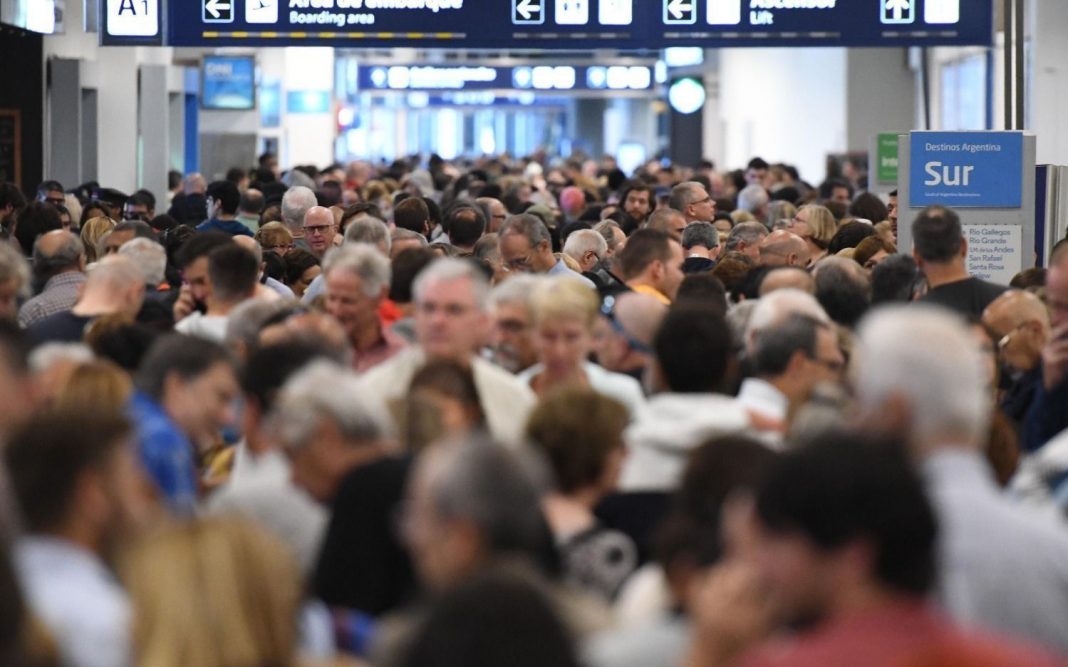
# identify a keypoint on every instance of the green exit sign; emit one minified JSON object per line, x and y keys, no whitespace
{"x":886,"y":155}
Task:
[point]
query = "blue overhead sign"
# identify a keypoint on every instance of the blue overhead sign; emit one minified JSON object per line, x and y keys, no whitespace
{"x":539,"y":78}
{"x":579,"y":24}
{"x":966,"y":169}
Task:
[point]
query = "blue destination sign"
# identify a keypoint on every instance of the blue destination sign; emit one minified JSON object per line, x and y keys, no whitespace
{"x":577,"y":24}
{"x":966,"y":169}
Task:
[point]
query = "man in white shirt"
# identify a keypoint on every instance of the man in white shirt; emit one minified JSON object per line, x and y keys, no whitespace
{"x":79,"y":487}
{"x":232,"y":271}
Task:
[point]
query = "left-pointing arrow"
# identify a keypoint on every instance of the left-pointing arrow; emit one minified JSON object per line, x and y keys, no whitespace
{"x":526,"y":8}
{"x":215,"y":7}
{"x":678,"y":7}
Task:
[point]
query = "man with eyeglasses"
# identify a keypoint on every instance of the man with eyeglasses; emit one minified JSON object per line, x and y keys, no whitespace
{"x":319,"y":230}
{"x":1019,"y":322}
{"x":223,"y":199}
{"x":623,"y":339}
{"x":693,"y":201}
{"x":526,"y":247}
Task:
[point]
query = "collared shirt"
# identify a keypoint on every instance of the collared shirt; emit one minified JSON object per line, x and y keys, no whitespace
{"x":1003,"y":565}
{"x":166,"y":453}
{"x":653,"y":292}
{"x":561,"y":269}
{"x":75,"y":596}
{"x":761,"y":397}
{"x":388,"y":345}
{"x":60,"y":293}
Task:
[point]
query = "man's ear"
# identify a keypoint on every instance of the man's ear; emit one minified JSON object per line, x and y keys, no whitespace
{"x":964,"y":247}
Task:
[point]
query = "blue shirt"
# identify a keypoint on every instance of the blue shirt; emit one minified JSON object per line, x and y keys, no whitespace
{"x":231,"y":227}
{"x":166,"y":453}
{"x":560,"y":269}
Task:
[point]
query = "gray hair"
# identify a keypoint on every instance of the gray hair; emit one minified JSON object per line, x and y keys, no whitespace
{"x":752,"y":198}
{"x":115,"y":272}
{"x":482,"y":482}
{"x":451,"y":268}
{"x":49,"y":354}
{"x":66,"y":255}
{"x":700,"y":233}
{"x":528,"y":226}
{"x":363,"y":261}
{"x":149,"y":256}
{"x":683,"y":194}
{"x":326,"y":390}
{"x":774,"y":308}
{"x":928,"y":357}
{"x":370,"y":230}
{"x":516,"y":291}
{"x":749,"y":232}
{"x":401,"y":234}
{"x":606,"y":228}
{"x":295,"y":205}
{"x":584,"y":240}
{"x":245,"y":322}
{"x":13,"y":266}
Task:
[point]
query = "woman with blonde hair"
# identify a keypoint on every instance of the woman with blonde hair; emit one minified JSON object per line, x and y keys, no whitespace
{"x":565,"y":312}
{"x":275,"y":237}
{"x":93,"y":230}
{"x":216,"y":592}
{"x":817,"y":226}
{"x":96,"y":387}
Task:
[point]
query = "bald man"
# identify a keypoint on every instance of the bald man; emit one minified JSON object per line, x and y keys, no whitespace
{"x":783,"y":248}
{"x":319,"y":230}
{"x":787,"y":277}
{"x":1020,"y":324}
{"x":58,"y":265}
{"x":669,"y":221}
{"x":628,"y":330}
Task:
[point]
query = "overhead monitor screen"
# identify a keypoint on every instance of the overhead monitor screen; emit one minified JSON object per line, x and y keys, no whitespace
{"x":228,"y":83}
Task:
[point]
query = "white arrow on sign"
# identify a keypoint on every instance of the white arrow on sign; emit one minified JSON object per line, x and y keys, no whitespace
{"x":528,"y":7}
{"x":215,"y":6}
{"x":898,"y":7}
{"x":678,"y":8}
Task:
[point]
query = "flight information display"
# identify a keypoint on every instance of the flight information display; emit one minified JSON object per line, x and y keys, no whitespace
{"x":577,"y":24}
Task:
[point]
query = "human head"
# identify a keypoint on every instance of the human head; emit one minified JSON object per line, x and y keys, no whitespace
{"x":783,"y":248}
{"x":50,"y":192}
{"x":637,"y":200}
{"x":465,"y":225}
{"x":653,"y":258}
{"x":580,"y":433}
{"x":469,"y":501}
{"x":92,"y":231}
{"x":700,"y":237}
{"x":302,"y":268}
{"x":149,"y":256}
{"x":192,"y":257}
{"x":871,"y":251}
{"x":693,"y":350}
{"x":252,"y":203}
{"x":669,"y":221}
{"x":526,"y":245}
{"x":693,"y":201}
{"x":779,"y":305}
{"x":937,"y":237}
{"x":894,"y":279}
{"x":370,"y":231}
{"x":512,"y":322}
{"x":1057,"y":286}
{"x":216,"y":615}
{"x":572,"y":202}
{"x":497,"y":213}
{"x":745,"y":238}
{"x":233,"y":271}
{"x":849,"y":235}
{"x":754,"y":198}
{"x":97,"y":386}
{"x":193,"y":380}
{"x":450,"y":315}
{"x":586,"y":247}
{"x":816,"y":225}
{"x":839,"y":517}
{"x":796,"y":355}
{"x":412,"y":214}
{"x":275,"y":237}
{"x":625,"y":339}
{"x":564,"y":312}
{"x":296,"y":203}
{"x":319,"y":230}
{"x":75,"y":471}
{"x":123,"y":233}
{"x":787,"y":277}
{"x":326,"y":426}
{"x":223,"y":199}
{"x":843,"y":289}
{"x":357,"y":279}
{"x":117,"y":282}
{"x":36,"y":219}
{"x":1019,"y":322}
{"x":614,"y":238}
{"x":919,"y":368}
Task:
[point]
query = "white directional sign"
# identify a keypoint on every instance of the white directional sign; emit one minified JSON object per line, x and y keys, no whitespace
{"x":894,"y":12}
{"x":615,"y":12}
{"x":261,"y":11}
{"x":218,"y":11}
{"x":132,"y":18}
{"x":941,"y":11}
{"x":572,"y":12}
{"x":528,"y":12}
{"x":724,"y":12}
{"x":680,"y":12}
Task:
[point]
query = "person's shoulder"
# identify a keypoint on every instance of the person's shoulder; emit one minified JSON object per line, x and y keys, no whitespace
{"x":499,"y":377}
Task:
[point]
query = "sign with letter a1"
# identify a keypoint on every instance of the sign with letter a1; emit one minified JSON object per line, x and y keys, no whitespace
{"x":966,"y":169}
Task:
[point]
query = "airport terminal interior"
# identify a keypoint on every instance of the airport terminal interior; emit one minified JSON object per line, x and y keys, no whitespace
{"x":547,"y":333}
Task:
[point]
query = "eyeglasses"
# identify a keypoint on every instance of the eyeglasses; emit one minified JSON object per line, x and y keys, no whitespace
{"x":284,"y":247}
{"x":1007,"y":338}
{"x":833,"y":365}
{"x":317,"y":229}
{"x":521,"y":264}
{"x":608,"y":309}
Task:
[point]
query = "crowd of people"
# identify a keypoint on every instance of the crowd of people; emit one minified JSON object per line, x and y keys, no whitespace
{"x":523,"y":412}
